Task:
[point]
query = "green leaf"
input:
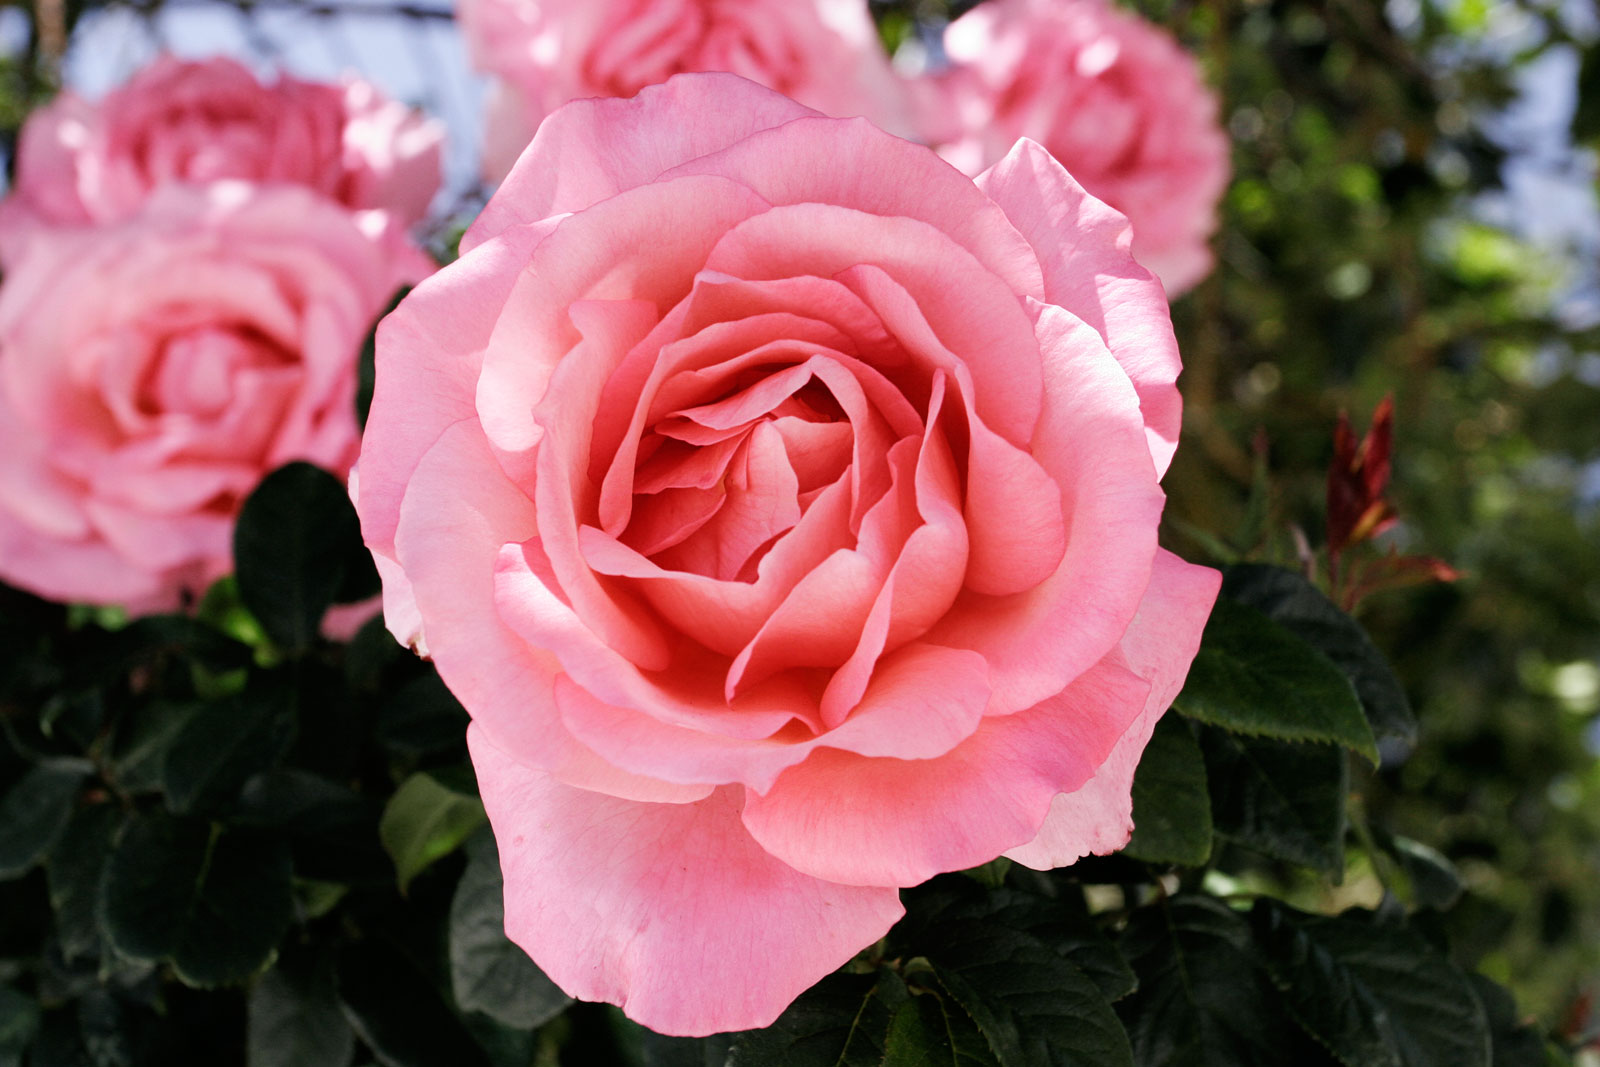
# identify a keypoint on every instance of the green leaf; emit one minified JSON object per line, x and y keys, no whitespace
{"x":143,"y":737}
{"x":398,"y":1012}
{"x":842,"y":1021}
{"x":332,"y":830}
{"x":487,"y":972}
{"x":425,"y":821}
{"x":224,"y":743}
{"x":1288,"y":599}
{"x":19,"y":1021}
{"x":1435,"y":883}
{"x":213,"y":903}
{"x":73,"y":872}
{"x":1375,"y":994}
{"x":291,"y":548}
{"x":421,"y":717}
{"x":1063,"y":923}
{"x":1516,"y":1041}
{"x":1171,"y":807}
{"x":34,"y":813}
{"x":1032,"y":1005}
{"x":1252,"y":676}
{"x":932,"y":1030}
{"x":1203,"y":999}
{"x":657,"y":1050}
{"x":294,"y":1017}
{"x":1281,"y":798}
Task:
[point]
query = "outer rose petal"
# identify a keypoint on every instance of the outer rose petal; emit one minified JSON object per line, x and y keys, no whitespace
{"x":896,"y":822}
{"x":1160,"y":645}
{"x":456,"y":507}
{"x":1096,"y":279}
{"x":591,"y":150}
{"x":670,"y":912}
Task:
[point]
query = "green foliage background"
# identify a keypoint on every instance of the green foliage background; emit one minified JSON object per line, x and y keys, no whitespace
{"x":158,"y":776}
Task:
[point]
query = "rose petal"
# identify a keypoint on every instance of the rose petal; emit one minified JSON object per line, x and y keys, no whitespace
{"x":1159,"y":646}
{"x":1095,"y":277}
{"x":618,"y":901}
{"x":993,"y":790}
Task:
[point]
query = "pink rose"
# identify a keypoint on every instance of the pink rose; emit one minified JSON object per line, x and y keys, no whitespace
{"x":1113,"y":98}
{"x":151,"y":371}
{"x":178,"y":121}
{"x":823,"y":53}
{"x":782,"y":505}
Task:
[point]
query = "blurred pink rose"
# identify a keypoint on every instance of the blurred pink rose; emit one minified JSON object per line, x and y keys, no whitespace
{"x":152,"y":370}
{"x":788,"y":529}
{"x":1112,"y":97}
{"x":823,"y":53}
{"x":81,"y":161}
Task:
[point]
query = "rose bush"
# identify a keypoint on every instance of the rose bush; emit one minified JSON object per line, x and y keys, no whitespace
{"x":824,"y":53}
{"x":782,"y":506}
{"x":1113,"y":97}
{"x":82,"y":161}
{"x":152,"y":370}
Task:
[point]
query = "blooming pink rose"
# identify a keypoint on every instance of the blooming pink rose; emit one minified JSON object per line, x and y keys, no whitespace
{"x":179,"y":121}
{"x":782,"y":505}
{"x":823,"y":53}
{"x":151,"y":371}
{"x":1113,"y":98}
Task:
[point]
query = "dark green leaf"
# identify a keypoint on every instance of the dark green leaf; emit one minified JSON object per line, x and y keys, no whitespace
{"x":143,"y":738}
{"x":1376,"y":995}
{"x":213,"y":903}
{"x":422,"y":717}
{"x":657,"y":1050}
{"x":223,"y":744}
{"x":1171,"y":808}
{"x":1032,"y":1005}
{"x":1252,"y":676}
{"x":333,"y":831}
{"x":295,"y":1019}
{"x":1288,"y":599}
{"x":487,"y":972}
{"x":291,"y":547}
{"x":1434,"y":880}
{"x":841,"y":1021}
{"x":74,"y":870}
{"x":932,"y":1030}
{"x":397,"y":1011}
{"x":425,"y":821}
{"x":1281,"y":798}
{"x":34,"y":813}
{"x":1203,"y":1000}
{"x":19,"y":1021}
{"x":1062,"y":922}
{"x":1516,"y":1040}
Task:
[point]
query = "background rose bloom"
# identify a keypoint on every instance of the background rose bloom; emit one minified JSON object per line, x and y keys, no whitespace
{"x":1113,"y":97}
{"x":823,"y":53}
{"x":782,"y":505}
{"x":152,"y":370}
{"x":81,"y":161}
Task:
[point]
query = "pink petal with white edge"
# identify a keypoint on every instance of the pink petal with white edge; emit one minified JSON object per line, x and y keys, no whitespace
{"x":907,"y":820}
{"x":593,"y":149}
{"x":1159,"y":646}
{"x":671,"y":912}
{"x":1089,"y":269}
